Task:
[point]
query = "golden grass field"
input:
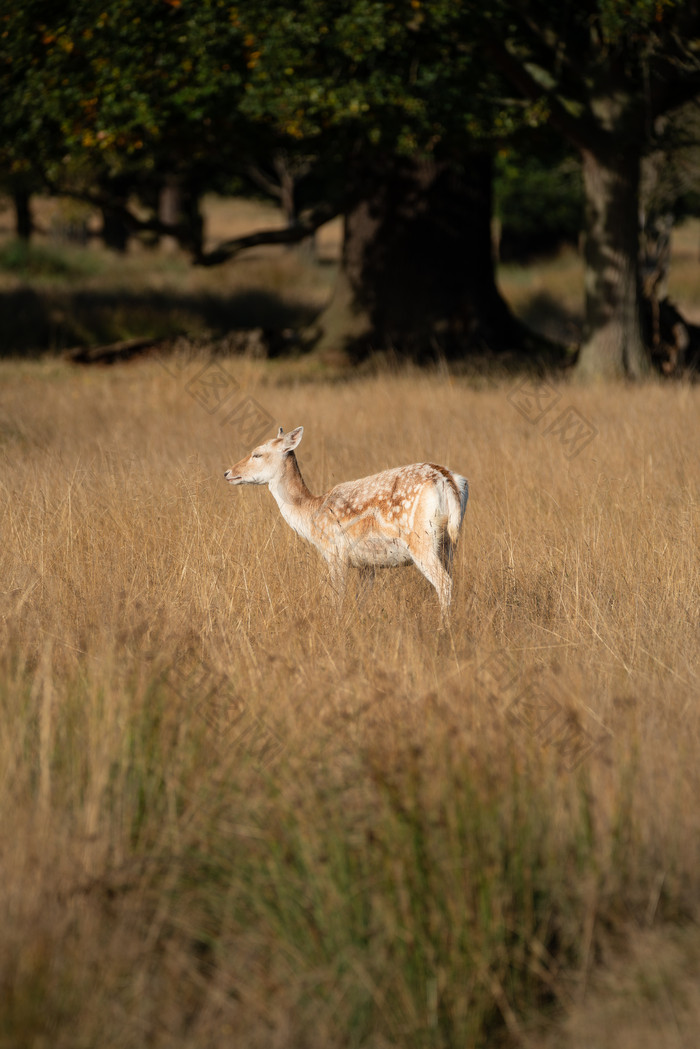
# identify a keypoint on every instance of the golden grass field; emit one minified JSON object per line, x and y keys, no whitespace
{"x":234,"y":813}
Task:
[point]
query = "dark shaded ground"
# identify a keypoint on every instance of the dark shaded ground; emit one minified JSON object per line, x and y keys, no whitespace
{"x":674,"y":341}
{"x":101,"y":326}
{"x":548,"y":317}
{"x":33,"y":323}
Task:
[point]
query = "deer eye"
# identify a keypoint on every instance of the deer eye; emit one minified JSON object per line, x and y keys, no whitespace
{"x":256,"y":455}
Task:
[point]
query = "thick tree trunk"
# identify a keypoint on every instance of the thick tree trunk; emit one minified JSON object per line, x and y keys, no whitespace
{"x":614,"y":341}
{"x":417,"y":273}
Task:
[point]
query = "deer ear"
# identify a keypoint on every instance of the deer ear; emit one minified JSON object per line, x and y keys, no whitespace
{"x":293,"y":438}
{"x":281,"y":431}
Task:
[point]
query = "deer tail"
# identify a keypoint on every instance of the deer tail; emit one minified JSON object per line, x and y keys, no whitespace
{"x":456,"y":506}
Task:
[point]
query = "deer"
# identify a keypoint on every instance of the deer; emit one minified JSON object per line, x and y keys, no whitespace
{"x":401,"y":516}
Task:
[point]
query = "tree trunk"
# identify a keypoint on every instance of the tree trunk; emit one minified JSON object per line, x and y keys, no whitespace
{"x":170,"y":210}
{"x":417,"y":273}
{"x":23,"y":214}
{"x":178,"y":207}
{"x":614,"y":341}
{"x":115,"y":232}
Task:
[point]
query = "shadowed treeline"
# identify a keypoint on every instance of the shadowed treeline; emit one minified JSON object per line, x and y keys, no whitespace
{"x":34,"y":322}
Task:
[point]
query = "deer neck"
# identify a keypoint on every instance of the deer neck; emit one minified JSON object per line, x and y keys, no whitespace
{"x":293,"y":497}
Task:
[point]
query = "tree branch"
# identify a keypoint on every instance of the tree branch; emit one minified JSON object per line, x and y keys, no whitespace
{"x":539,"y":39}
{"x":263,"y":181}
{"x":307,"y":224}
{"x":673,"y":95}
{"x":580,"y":131}
{"x":106,"y":202}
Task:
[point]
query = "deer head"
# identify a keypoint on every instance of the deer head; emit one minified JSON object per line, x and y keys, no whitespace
{"x":266,"y":462}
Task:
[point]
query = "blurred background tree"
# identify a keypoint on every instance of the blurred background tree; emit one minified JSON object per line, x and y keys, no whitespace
{"x":604,"y":74}
{"x":389,"y":114}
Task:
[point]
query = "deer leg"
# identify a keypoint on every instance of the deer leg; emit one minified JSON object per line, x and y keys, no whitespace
{"x":338,"y":574}
{"x":366,"y":577}
{"x":438,"y":576}
{"x":368,"y":574}
{"x":447,"y":554}
{"x":431,"y":553}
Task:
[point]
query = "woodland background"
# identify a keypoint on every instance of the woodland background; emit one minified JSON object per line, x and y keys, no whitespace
{"x":400,"y":118}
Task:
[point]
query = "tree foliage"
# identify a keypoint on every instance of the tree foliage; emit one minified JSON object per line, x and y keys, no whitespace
{"x":538,"y":201}
{"x":97,"y":95}
{"x":601,"y":71}
{"x":389,"y":76}
{"x":123,"y":87}
{"x":129,"y":87}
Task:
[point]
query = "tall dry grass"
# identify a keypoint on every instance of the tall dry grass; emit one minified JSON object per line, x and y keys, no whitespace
{"x":234,"y":813}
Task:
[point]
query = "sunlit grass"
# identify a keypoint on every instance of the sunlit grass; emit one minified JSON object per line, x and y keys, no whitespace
{"x":236,"y":812}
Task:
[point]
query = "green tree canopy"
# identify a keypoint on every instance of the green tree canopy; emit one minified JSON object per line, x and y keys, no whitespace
{"x":123,"y":86}
{"x":372,"y":93}
{"x":360,"y":87}
{"x":126,"y":88}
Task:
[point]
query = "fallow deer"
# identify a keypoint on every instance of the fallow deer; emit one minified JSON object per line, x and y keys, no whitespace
{"x":411,"y":514}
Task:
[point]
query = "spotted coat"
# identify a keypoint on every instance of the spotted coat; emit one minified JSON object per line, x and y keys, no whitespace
{"x":409,"y":514}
